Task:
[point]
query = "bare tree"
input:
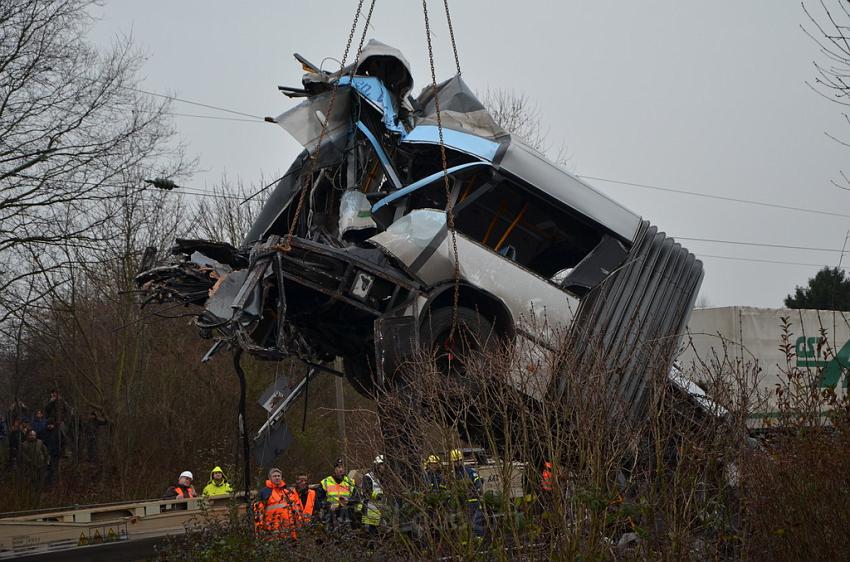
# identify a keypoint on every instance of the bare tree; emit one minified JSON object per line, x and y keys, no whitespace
{"x":229,"y":211}
{"x":518,"y":115}
{"x":830,"y":29}
{"x":73,"y":128}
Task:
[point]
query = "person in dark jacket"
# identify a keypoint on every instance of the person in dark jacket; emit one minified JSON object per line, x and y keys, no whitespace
{"x":34,"y":459}
{"x":52,"y":439}
{"x":304,"y":501}
{"x":469,"y":487}
{"x":19,"y":411}
{"x":57,"y":409}
{"x":92,"y":438}
{"x":16,"y":437}
{"x":39,"y":423}
{"x":434,"y":481}
{"x":182,"y":490}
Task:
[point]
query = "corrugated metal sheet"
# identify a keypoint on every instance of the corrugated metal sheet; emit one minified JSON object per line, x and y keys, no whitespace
{"x":632,"y":323}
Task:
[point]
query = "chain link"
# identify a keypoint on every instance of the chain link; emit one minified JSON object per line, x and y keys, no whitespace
{"x":308,"y":177}
{"x":452,"y":34}
{"x":450,"y":221}
{"x":365,"y":30}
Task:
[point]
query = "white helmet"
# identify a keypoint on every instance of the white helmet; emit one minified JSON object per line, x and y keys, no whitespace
{"x":187,"y":474}
{"x":379,"y":459}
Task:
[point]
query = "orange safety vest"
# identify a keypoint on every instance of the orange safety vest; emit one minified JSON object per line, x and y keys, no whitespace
{"x":546,"y":481}
{"x":303,"y":513}
{"x":275,"y":514}
{"x":180,"y":495}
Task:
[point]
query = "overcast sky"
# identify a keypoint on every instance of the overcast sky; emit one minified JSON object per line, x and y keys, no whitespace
{"x":699,"y":96}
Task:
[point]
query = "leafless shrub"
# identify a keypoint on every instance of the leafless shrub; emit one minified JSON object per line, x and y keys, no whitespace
{"x":517,"y":114}
{"x":661,"y":476}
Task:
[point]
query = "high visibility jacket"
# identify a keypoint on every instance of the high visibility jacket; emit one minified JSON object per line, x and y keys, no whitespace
{"x":178,"y":492}
{"x":335,"y":490}
{"x":546,"y":480}
{"x":190,"y":492}
{"x":214,"y":488}
{"x":374,"y":499}
{"x":273,"y":513}
{"x":302,"y":511}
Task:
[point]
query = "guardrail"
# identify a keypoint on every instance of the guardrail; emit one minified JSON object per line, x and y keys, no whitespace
{"x":88,"y":527}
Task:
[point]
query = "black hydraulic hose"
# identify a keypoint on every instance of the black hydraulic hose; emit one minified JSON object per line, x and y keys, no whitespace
{"x":306,"y":394}
{"x":243,"y":433}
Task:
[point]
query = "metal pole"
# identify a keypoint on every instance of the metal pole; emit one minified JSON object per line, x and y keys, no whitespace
{"x":340,"y":409}
{"x":243,"y":433}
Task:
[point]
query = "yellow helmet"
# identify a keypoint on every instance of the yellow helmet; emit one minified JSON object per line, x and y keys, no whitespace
{"x":432,"y":459}
{"x":456,"y":455}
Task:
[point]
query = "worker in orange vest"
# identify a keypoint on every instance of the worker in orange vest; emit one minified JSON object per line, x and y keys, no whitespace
{"x":546,"y":477}
{"x":273,"y":511}
{"x":303,"y":501}
{"x":182,"y":490}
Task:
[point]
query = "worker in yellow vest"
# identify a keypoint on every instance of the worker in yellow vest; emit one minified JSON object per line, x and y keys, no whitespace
{"x":337,"y":491}
{"x":373,"y":496}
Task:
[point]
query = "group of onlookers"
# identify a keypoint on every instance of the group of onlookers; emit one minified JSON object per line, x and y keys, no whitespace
{"x":35,"y":443}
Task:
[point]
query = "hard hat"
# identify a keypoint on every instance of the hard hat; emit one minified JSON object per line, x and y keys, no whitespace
{"x":433,"y":459}
{"x":456,"y":455}
{"x":379,"y":459}
{"x":339,"y":462}
{"x":187,"y":474}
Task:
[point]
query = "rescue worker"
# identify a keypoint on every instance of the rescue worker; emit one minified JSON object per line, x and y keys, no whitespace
{"x":303,"y":502}
{"x":546,"y":477}
{"x":273,"y":511}
{"x":337,"y":492}
{"x":373,"y":496}
{"x":470,"y":488}
{"x":434,"y":481}
{"x":182,"y":490}
{"x":218,"y":484}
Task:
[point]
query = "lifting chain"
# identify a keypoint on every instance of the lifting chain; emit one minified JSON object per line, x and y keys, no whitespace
{"x":308,"y":177}
{"x":450,"y":220}
{"x":452,"y":34}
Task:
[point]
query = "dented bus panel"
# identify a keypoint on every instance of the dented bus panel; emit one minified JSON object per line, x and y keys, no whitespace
{"x":543,"y":259}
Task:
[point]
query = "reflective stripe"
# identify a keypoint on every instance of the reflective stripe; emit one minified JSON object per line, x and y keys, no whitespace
{"x":277,"y":511}
{"x":335,"y":490}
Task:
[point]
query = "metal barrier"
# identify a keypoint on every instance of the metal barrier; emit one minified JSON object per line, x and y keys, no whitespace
{"x":87,"y":528}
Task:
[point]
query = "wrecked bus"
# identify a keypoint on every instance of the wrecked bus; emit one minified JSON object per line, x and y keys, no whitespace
{"x":540,"y":258}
